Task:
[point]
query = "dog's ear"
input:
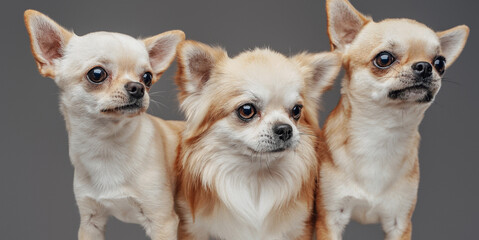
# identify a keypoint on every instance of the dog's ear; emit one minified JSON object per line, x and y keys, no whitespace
{"x":344,"y":23}
{"x":195,"y":64}
{"x":319,"y":71}
{"x":162,"y":50}
{"x":47,"y":41}
{"x":452,"y":42}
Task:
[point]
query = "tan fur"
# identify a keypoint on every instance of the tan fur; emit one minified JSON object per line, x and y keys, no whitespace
{"x":200,"y":201}
{"x":366,"y":113}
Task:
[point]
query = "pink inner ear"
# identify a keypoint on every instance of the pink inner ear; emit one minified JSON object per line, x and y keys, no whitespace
{"x":346,"y":34}
{"x":345,"y":24}
{"x":50,"y":43}
{"x":157,"y":55}
{"x":200,"y":66}
{"x":162,"y":53}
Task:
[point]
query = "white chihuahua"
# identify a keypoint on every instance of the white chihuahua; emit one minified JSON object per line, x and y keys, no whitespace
{"x":123,"y":157}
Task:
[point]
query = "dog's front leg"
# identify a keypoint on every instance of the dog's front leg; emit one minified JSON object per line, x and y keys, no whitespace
{"x":163,"y":227}
{"x":93,"y":217}
{"x":398,"y":227}
{"x":398,"y":230}
{"x":159,"y":223}
{"x":396,"y":217}
{"x":331,"y":223}
{"x":333,"y":217}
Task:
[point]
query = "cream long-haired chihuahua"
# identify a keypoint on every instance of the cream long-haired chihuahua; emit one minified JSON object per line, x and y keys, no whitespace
{"x":393,"y":73}
{"x":247,"y":159}
{"x":123,"y":157}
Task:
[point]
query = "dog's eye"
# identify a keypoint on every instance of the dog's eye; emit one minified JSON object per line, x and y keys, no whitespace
{"x":440,"y":64}
{"x":296,"y":111}
{"x":246,"y":112}
{"x":147,"y":78}
{"x":384,"y":60}
{"x":97,"y":75}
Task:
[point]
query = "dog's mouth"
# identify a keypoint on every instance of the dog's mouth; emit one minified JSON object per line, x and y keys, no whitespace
{"x":281,"y":149}
{"x":277,"y":150}
{"x":135,"y":107}
{"x":420,"y":92}
{"x":272,"y":150}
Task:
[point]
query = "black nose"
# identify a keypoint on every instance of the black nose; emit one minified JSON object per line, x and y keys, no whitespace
{"x":135,"y":89}
{"x":284,"y":131}
{"x":422,"y":69}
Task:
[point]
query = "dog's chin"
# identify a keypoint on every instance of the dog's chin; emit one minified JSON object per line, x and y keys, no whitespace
{"x":416,"y":93}
{"x":130,"y":110}
{"x":272,"y":151}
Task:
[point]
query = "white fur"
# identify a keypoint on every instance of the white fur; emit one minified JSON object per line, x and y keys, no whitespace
{"x":371,"y":185}
{"x":370,"y":181}
{"x":123,"y":160}
{"x":248,"y":192}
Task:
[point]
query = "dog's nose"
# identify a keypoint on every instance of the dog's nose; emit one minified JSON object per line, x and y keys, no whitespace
{"x":135,"y":89}
{"x":284,"y":131}
{"x":422,"y":69}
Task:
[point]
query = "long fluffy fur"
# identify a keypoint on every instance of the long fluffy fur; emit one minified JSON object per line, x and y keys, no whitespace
{"x":222,"y":193}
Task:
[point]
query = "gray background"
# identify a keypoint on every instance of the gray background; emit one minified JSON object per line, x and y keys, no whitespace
{"x":36,"y":175}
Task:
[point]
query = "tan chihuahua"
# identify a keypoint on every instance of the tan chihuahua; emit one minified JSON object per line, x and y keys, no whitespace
{"x":247,"y":163}
{"x":393,"y":73}
{"x":123,"y":157}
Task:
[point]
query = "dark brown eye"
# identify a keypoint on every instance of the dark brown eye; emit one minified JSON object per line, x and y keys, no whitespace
{"x":440,"y":64}
{"x":384,"y":60}
{"x":97,"y":75}
{"x":246,"y":112}
{"x":296,"y":112}
{"x":147,"y":79}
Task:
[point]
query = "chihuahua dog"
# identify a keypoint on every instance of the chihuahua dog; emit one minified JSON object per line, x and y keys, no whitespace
{"x":123,"y":157}
{"x":393,"y":71}
{"x":247,"y":157}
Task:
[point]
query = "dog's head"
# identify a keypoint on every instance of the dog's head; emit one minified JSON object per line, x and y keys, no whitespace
{"x":100,"y":74}
{"x":259,"y":103}
{"x":392,"y":61}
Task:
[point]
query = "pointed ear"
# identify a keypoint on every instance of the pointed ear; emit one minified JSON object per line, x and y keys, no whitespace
{"x":319,"y":71}
{"x":344,"y":23}
{"x":162,"y":50}
{"x":452,"y":42}
{"x":196,"y":62}
{"x":47,"y":41}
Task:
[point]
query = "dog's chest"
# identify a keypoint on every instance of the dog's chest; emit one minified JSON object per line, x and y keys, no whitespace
{"x":242,"y":214}
{"x":106,"y":172}
{"x":126,"y":208}
{"x":375,"y":158}
{"x":348,"y":198}
{"x":226,"y":224}
{"x":371,"y":177}
{"x":106,"y":162}
{"x":119,"y":200}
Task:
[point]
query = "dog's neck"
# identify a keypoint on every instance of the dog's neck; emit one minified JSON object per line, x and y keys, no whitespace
{"x":100,"y":149}
{"x":362,"y":133}
{"x":395,"y":117}
{"x":100,"y":128}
